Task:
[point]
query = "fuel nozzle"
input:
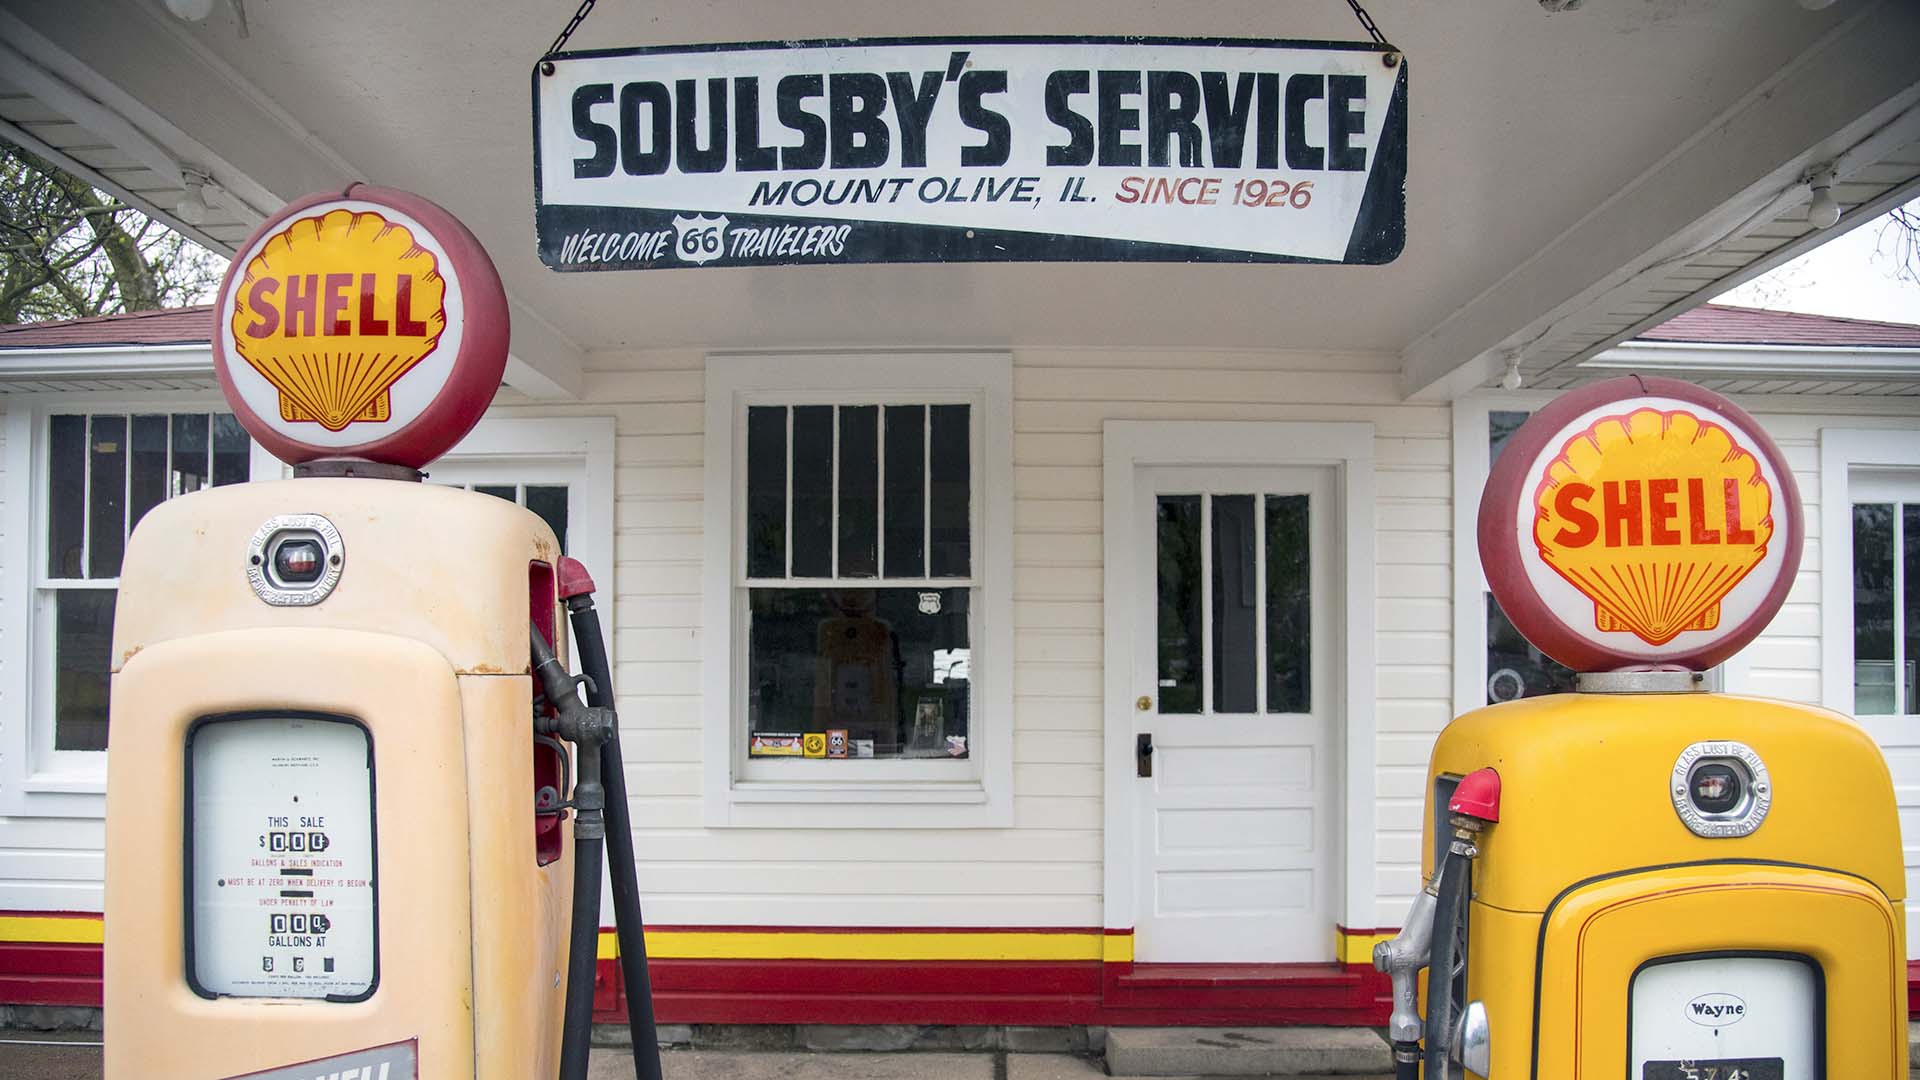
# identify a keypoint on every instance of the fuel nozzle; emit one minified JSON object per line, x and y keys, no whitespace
{"x":1474,"y":805}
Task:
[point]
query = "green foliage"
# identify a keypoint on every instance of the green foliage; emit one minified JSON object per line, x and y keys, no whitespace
{"x":68,"y":250}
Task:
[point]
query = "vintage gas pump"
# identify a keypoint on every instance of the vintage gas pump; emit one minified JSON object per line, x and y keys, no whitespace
{"x":1643,"y":876}
{"x":355,"y":800}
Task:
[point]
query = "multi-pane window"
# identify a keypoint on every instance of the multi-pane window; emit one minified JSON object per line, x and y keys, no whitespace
{"x":1886,"y":608}
{"x":1515,"y":669}
{"x":1234,"y":610}
{"x":859,"y":573}
{"x":104,"y":472}
{"x":548,"y":501}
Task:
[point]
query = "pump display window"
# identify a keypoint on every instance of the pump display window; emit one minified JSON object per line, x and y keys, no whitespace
{"x":104,"y":471}
{"x":859,"y":581}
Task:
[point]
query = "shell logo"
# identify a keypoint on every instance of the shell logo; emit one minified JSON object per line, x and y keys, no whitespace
{"x":366,"y":325}
{"x":1640,"y":522}
{"x":336,"y":308}
{"x":1654,"y":515}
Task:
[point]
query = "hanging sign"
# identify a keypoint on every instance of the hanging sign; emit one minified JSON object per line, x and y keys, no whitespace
{"x":970,"y":150}
{"x":1640,"y":521}
{"x":369,"y":324}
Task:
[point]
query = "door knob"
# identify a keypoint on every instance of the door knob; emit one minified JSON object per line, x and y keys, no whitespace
{"x":1143,"y":703}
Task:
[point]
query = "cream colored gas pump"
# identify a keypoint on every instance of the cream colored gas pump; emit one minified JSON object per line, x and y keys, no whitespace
{"x":343,"y":820}
{"x":1643,"y":877}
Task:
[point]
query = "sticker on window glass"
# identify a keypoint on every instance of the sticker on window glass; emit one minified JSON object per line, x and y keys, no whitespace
{"x":283,"y":876}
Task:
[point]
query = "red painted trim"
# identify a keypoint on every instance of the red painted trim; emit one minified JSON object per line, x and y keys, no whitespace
{"x":1013,"y":992}
{"x":49,"y":974}
{"x":889,"y":992}
{"x":474,"y":378}
{"x":1500,"y":542}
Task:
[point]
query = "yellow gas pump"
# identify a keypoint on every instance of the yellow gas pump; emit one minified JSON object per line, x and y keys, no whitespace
{"x":355,"y":803}
{"x":1644,"y":877}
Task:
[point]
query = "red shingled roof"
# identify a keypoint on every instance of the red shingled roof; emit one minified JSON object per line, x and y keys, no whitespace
{"x":170,"y":326}
{"x":1723,"y":324}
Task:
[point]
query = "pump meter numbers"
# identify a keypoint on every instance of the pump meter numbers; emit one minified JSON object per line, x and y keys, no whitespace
{"x":285,"y":840}
{"x":282,"y":874}
{"x":1716,"y":1069}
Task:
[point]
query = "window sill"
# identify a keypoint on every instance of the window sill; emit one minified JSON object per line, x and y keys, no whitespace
{"x":829,"y":793}
{"x":788,"y":805}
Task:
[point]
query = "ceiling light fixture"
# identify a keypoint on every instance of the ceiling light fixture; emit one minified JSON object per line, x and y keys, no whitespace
{"x":193,"y":207}
{"x":1512,"y":379}
{"x":190,"y":10}
{"x":1823,"y":211}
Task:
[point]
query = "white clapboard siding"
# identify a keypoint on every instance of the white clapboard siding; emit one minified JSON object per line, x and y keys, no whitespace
{"x":1784,"y":662}
{"x":1046,"y":869}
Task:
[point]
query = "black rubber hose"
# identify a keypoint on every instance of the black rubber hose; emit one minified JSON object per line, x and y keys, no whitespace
{"x":630,"y":925}
{"x":576,"y":1032}
{"x":1449,"y":908}
{"x":1406,"y":1068}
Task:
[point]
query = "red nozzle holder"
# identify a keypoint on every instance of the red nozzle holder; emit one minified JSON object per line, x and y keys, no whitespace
{"x":573,"y":577}
{"x":1477,"y":796}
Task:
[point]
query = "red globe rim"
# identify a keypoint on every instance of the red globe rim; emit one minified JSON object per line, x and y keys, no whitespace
{"x":1500,"y":542}
{"x":475,"y":373}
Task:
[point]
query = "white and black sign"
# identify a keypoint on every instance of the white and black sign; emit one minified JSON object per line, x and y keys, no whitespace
{"x":281,"y":858}
{"x":971,"y":150}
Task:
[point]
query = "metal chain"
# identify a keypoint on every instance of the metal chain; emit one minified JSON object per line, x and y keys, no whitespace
{"x":580,"y":16}
{"x":1366,"y":21}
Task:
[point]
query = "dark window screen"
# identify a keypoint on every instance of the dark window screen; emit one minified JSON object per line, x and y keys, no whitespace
{"x":906,"y":525}
{"x":812,"y":491}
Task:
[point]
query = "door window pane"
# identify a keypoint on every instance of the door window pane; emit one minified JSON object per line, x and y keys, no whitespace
{"x":766,"y":492}
{"x":1910,"y":603}
{"x":1236,"y":605}
{"x":906,"y":491}
{"x":859,"y":491}
{"x":106,"y":495}
{"x":83,"y":647}
{"x":812,"y":491}
{"x":1874,"y":683}
{"x":66,"y":495}
{"x":887,"y":669}
{"x":1501,"y":424}
{"x":499,"y":491}
{"x":1289,"y":606}
{"x":1515,"y":669}
{"x":550,"y":502}
{"x":1178,"y":620}
{"x":949,"y":512}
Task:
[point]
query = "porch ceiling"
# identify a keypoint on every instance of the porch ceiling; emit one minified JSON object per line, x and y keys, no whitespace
{"x":1524,"y":126}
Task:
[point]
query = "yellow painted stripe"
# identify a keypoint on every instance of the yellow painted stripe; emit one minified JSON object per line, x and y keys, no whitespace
{"x":1358,"y":948}
{"x":904,"y":945}
{"x":51,"y":928}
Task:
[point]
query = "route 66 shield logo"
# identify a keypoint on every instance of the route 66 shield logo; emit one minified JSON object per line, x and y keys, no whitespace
{"x":700,"y":239}
{"x":929,"y":603}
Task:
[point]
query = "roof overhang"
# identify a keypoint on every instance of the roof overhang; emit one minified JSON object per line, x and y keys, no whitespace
{"x":1571,"y":175}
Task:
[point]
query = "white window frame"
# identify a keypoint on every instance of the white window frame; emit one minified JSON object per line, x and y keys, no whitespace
{"x":975,"y":792}
{"x":35,"y":779}
{"x":1849,"y":457}
{"x":38,"y":781}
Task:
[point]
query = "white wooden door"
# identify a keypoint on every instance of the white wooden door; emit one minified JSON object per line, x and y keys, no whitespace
{"x":1885,"y":626}
{"x":1235,"y":608}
